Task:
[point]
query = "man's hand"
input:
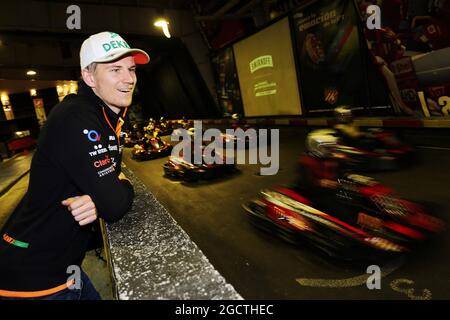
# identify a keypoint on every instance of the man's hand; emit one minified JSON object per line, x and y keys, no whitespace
{"x":123,"y":177}
{"x":82,"y":208}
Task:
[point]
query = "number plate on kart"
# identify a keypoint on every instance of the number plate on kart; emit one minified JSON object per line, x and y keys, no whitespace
{"x":369,"y":221}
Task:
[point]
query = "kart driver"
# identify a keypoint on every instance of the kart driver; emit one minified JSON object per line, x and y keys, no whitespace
{"x":321,"y":166}
{"x":320,"y":169}
{"x":344,"y":122}
{"x":350,"y":133}
{"x":75,"y":178}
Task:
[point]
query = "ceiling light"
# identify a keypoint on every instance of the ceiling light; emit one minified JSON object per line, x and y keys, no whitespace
{"x":31,"y":73}
{"x":4,"y":98}
{"x":164,"y":25}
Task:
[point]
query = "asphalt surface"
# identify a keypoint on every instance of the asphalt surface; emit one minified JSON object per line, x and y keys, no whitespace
{"x":262,"y":266}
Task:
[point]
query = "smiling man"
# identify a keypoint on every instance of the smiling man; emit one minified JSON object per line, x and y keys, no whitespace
{"x":75,"y":178}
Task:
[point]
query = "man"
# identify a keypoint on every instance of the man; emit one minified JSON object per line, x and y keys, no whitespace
{"x":320,"y":170}
{"x":320,"y":167}
{"x":343,"y":116}
{"x":350,"y":133}
{"x":75,"y":177}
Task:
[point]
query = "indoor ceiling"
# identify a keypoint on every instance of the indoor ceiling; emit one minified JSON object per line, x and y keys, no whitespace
{"x":210,"y":13}
{"x":157,"y":4}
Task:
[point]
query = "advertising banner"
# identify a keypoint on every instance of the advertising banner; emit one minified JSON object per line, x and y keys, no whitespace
{"x":267,"y":75}
{"x":411,"y":50}
{"x":331,"y":68}
{"x":40,"y":111}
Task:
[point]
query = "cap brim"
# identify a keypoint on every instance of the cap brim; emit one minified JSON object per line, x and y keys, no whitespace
{"x":140,"y":56}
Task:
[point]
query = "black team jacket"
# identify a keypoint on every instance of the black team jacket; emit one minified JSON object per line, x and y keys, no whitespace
{"x":78,"y":153}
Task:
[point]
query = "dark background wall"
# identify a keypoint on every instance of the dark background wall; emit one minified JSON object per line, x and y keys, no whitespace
{"x":171,"y":85}
{"x":22,"y":103}
{"x":24,"y":114}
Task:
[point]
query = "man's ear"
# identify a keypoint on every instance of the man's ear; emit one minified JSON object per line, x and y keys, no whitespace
{"x":88,"y":77}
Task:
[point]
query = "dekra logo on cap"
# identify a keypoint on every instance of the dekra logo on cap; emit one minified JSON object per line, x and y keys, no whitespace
{"x":114,"y":44}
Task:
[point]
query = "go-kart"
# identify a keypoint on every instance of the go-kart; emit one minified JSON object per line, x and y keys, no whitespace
{"x":377,"y":150}
{"x":178,"y":167}
{"x":134,"y":135}
{"x":364,"y":220}
{"x":245,"y":140}
{"x":132,"y":138}
{"x":150,"y":148}
{"x":182,"y":124}
{"x":388,"y":141}
{"x":163,"y":127}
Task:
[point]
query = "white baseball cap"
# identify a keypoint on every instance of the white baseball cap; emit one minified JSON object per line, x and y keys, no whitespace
{"x":108,"y":46}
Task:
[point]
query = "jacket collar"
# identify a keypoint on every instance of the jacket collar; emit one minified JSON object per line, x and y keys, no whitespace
{"x":86,"y":91}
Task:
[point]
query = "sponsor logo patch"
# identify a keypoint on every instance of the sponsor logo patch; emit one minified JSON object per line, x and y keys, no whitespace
{"x":106,"y":171}
{"x":92,"y":135}
{"x":102,"y":162}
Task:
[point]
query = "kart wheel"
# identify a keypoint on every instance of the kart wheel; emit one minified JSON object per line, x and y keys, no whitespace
{"x":255,"y":209}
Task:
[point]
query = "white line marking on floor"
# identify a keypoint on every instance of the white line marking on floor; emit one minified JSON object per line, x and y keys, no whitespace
{"x":349,"y":282}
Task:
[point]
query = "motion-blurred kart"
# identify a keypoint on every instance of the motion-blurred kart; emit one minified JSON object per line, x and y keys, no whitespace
{"x":150,"y":148}
{"x":133,"y":136}
{"x":377,"y":150}
{"x":163,"y":127}
{"x":367,"y":219}
{"x":240,"y":141}
{"x":245,"y":140}
{"x":178,"y":167}
{"x":182,"y":124}
{"x":390,"y":143}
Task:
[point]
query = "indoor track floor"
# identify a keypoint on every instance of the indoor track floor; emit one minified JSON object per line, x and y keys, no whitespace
{"x":262,"y":266}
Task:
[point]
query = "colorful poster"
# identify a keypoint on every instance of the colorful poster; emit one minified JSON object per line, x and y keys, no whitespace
{"x":40,"y":111}
{"x":331,"y":68}
{"x":411,"y":50}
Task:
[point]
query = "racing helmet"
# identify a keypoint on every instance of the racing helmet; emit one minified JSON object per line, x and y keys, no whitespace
{"x":321,"y":142}
{"x":343,"y":114}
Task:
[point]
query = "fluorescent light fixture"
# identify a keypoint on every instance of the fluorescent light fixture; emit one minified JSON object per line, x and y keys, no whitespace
{"x":164,"y":25}
{"x":4,"y":98}
{"x":31,"y":73}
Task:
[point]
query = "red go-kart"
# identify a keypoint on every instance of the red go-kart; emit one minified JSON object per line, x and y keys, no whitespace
{"x":364,"y":220}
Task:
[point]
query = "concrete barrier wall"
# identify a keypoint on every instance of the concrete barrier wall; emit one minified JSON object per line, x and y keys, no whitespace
{"x":152,"y":257}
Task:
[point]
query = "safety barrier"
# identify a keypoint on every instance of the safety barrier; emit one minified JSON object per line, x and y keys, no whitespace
{"x":151,"y":257}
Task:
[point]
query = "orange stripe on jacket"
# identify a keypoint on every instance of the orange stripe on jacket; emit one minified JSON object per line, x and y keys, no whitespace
{"x":35,"y":294}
